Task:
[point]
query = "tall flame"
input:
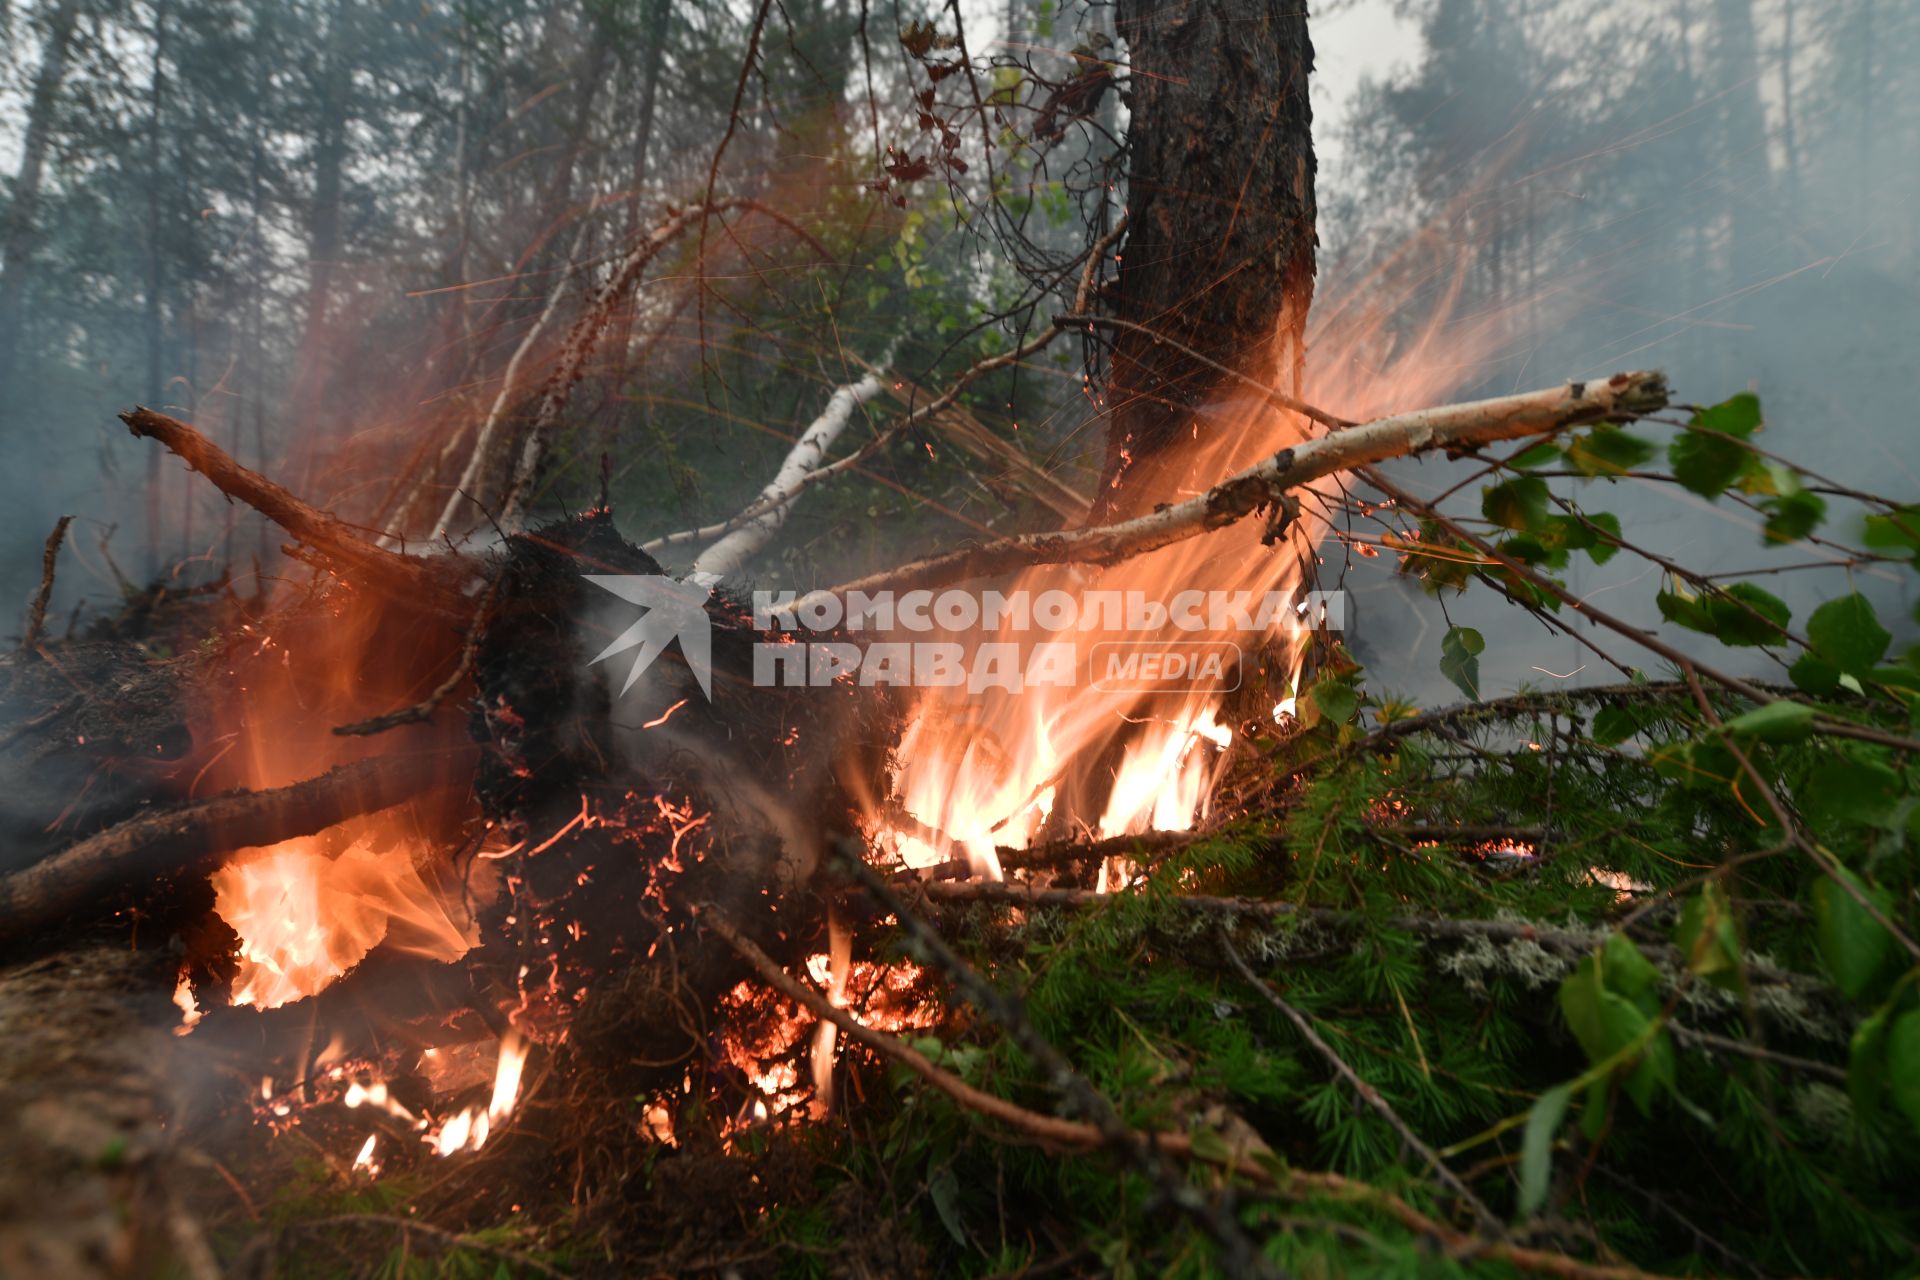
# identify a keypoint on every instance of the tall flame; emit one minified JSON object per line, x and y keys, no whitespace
{"x":984,"y":770}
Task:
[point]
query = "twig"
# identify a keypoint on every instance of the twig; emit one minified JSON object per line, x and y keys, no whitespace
{"x":1567,"y":943}
{"x":1368,"y":1094}
{"x":1265,"y":483}
{"x":37,"y":615}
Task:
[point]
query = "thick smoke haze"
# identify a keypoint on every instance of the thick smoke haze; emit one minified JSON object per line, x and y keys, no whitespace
{"x":323,"y":229}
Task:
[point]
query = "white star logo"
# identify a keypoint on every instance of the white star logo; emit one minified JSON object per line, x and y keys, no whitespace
{"x":675,"y":610}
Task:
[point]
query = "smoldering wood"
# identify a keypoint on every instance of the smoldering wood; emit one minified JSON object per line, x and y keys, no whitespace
{"x":193,"y":838}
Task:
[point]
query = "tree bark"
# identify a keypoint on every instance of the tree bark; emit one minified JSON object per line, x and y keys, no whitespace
{"x":18,"y":232}
{"x":1220,"y":251}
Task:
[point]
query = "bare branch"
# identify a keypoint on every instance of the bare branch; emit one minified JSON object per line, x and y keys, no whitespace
{"x":435,"y":583}
{"x":1625,"y":395}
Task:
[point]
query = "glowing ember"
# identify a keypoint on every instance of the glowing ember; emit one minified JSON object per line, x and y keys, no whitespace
{"x":304,"y":918}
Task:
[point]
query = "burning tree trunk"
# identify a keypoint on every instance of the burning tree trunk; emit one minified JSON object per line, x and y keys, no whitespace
{"x":1219,"y":254}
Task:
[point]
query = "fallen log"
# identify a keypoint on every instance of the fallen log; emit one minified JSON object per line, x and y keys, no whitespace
{"x":195,"y":837}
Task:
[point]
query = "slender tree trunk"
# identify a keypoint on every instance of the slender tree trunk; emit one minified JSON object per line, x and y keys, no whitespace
{"x":1219,"y":253}
{"x":323,"y":217}
{"x":18,"y":232}
{"x":154,"y":319}
{"x":1736,"y":61}
{"x":1789,"y":131}
{"x":658,"y":12}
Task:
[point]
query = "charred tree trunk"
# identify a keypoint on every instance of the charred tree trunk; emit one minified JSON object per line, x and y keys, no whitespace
{"x":1219,"y":254}
{"x":18,"y":231}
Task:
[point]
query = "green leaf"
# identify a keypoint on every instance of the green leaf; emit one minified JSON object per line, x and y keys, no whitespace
{"x":1607,"y":451}
{"x":1613,"y":725}
{"x":1775,"y":722}
{"x":1896,"y":531}
{"x":1739,"y":416}
{"x":1739,"y":615}
{"x":1517,"y":504}
{"x":1867,"y":1061}
{"x":1707,"y":937}
{"x":944,"y":1190}
{"x":1602,"y":550}
{"x":1903,"y":1065}
{"x":1850,"y":789}
{"x":1536,"y":1147}
{"x":1709,"y":455}
{"x":1854,"y":945}
{"x":1336,"y":699}
{"x":1627,"y":971}
{"x":1792,"y":517}
{"x":1847,"y":633}
{"x":1813,"y":674}
{"x":1538,"y":456}
{"x":1460,"y":651}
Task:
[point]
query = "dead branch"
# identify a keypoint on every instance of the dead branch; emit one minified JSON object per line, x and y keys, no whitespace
{"x":1625,"y":395}
{"x":469,"y":481}
{"x":37,"y":615}
{"x":434,"y":584}
{"x":1570,"y":944}
{"x":584,"y":337}
{"x":1368,"y":1094}
{"x":195,"y":836}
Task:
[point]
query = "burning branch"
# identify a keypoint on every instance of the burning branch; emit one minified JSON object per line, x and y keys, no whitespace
{"x":194,"y":837}
{"x":393,"y":573}
{"x":1462,"y":426}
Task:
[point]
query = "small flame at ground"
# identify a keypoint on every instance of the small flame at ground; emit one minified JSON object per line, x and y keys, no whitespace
{"x":468,"y":1130}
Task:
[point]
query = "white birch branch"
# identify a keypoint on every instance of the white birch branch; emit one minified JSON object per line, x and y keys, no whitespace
{"x":724,"y":558}
{"x":1459,"y":426}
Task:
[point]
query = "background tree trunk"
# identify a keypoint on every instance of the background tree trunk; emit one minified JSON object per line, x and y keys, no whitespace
{"x":1219,"y":253}
{"x":17,"y":233}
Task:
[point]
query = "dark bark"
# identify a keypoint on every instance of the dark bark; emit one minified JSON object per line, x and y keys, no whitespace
{"x":1220,"y":251}
{"x":658,"y":11}
{"x":18,"y":232}
{"x":197,"y":837}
